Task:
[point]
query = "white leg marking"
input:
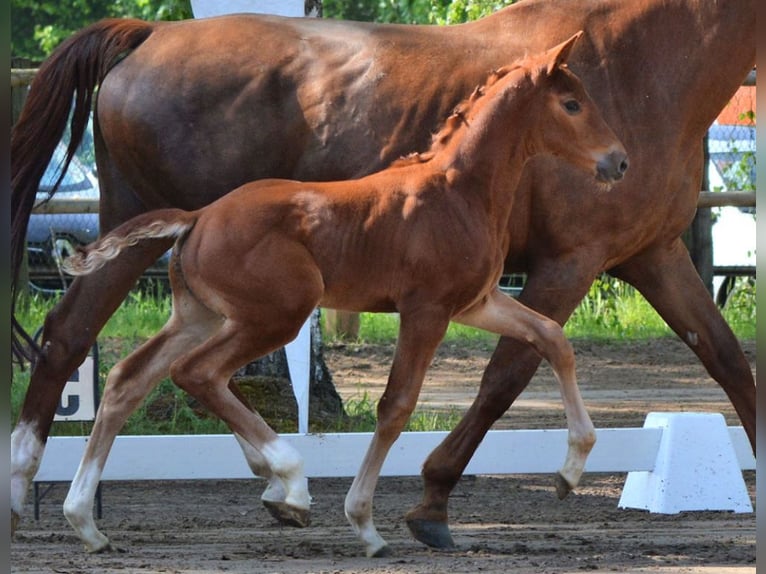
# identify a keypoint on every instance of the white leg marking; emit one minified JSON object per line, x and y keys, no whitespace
{"x":26,"y":455}
{"x":358,"y":505}
{"x":78,"y":506}
{"x":275,"y":491}
{"x":692,"y":338}
{"x":287,"y":464}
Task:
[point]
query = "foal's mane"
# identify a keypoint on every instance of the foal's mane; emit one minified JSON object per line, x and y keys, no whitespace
{"x":456,"y":119}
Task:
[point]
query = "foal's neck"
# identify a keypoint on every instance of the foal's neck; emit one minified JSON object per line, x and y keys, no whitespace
{"x":486,"y":155}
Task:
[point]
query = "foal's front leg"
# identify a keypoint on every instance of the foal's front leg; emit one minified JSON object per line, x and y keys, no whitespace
{"x":505,"y":316}
{"x":420,"y":333}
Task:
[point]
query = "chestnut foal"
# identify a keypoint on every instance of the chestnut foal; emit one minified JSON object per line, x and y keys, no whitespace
{"x":425,"y":238}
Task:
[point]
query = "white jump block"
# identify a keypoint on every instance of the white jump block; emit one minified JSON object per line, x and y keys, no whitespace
{"x":696,"y":468}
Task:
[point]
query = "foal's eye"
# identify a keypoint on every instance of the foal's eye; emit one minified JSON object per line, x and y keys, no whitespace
{"x":572,"y":106}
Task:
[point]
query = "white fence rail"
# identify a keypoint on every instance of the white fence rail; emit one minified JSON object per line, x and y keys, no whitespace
{"x":179,"y":457}
{"x":691,"y":461}
{"x":676,"y":462}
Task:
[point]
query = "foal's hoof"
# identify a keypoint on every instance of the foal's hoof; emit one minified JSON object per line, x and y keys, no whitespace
{"x":431,"y":533}
{"x":563,"y":488}
{"x":288,"y":515}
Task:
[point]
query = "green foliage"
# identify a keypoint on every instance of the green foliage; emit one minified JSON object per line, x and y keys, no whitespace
{"x":38,"y":27}
{"x":384,"y":328}
{"x":411,"y":11}
{"x":464,"y":10}
{"x":613,"y":309}
{"x":361,"y":414}
{"x":141,"y":315}
{"x":739,"y":310}
{"x":362,"y":417}
{"x":738,"y":175}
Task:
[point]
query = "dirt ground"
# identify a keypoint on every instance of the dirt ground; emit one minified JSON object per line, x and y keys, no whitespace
{"x":501,"y":524}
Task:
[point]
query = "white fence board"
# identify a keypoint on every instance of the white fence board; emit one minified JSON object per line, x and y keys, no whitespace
{"x":337,"y":455}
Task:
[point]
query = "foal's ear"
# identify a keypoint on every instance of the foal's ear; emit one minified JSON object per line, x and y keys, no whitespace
{"x":559,"y":55}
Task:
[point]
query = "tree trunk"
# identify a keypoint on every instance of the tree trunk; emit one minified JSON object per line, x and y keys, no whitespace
{"x":266,"y":382}
{"x":313,"y":8}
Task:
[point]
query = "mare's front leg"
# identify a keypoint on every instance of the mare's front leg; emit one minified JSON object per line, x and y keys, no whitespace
{"x":68,"y":335}
{"x":554,"y":289}
{"x":667,"y":278}
{"x":420,"y":333}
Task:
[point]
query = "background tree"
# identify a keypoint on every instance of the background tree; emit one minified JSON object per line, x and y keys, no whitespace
{"x":411,"y":11}
{"x":38,"y":27}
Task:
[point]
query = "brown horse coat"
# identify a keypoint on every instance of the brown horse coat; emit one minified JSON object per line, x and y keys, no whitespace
{"x":189,"y":110}
{"x":248,"y":269}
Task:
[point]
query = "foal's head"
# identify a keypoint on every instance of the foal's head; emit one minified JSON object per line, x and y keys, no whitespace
{"x":540,"y":100}
{"x":567,"y":123}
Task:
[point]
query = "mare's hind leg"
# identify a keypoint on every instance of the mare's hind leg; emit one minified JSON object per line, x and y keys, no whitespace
{"x":128,"y":383}
{"x":204,"y":373}
{"x":69,"y":332}
{"x":667,"y":278}
{"x":505,"y":316}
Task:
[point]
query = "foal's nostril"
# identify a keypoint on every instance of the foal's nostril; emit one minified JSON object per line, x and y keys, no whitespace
{"x":613,"y":166}
{"x":624,"y":164}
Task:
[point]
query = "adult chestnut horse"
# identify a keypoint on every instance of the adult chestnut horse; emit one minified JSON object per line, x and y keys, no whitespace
{"x":436,"y":225}
{"x":188,"y":111}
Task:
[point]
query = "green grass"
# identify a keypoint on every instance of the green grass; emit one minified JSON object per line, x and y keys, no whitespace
{"x":616,"y":311}
{"x":612,"y":311}
{"x":384,"y":327}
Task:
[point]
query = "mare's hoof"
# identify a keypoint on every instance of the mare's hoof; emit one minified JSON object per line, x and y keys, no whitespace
{"x":382,"y":552}
{"x":108,"y":548}
{"x":431,"y":533}
{"x":288,"y":515}
{"x":563,"y":488}
{"x":15,"y":518}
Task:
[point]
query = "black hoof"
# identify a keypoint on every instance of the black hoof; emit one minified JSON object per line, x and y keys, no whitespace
{"x":109,"y":549}
{"x":383,"y":552}
{"x":431,"y":533}
{"x":563,"y":488}
{"x":288,"y":515}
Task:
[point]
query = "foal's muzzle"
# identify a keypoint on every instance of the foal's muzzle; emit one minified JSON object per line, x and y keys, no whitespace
{"x":612,"y":167}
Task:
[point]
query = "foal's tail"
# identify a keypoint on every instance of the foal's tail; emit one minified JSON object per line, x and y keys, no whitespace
{"x":67,"y":78}
{"x":162,"y":223}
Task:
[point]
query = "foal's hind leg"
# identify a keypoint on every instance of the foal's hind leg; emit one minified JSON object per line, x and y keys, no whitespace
{"x":505,"y":316}
{"x":129,"y":382}
{"x":204,"y":373}
{"x":273,"y":497}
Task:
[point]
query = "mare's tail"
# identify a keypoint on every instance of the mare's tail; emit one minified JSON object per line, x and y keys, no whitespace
{"x":72,"y":72}
{"x":162,"y":223}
